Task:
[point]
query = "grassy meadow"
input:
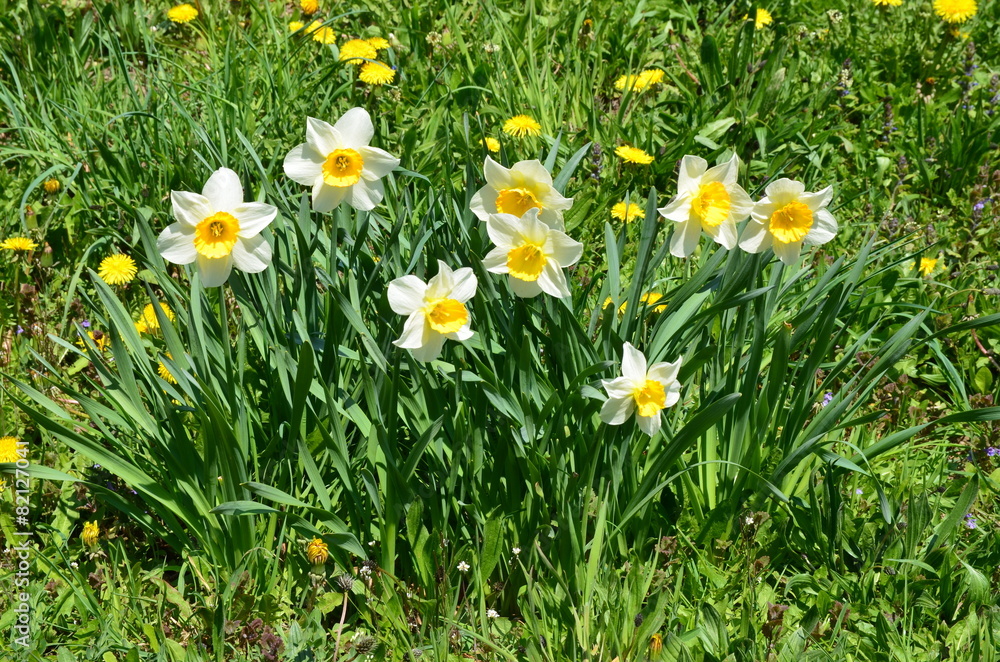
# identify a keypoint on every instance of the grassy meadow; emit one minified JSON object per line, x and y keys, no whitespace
{"x":257,"y":470}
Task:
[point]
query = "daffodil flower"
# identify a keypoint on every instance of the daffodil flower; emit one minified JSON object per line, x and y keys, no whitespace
{"x":217,"y":230}
{"x":337,"y":162}
{"x":707,"y":199}
{"x":641,"y":390}
{"x":532,"y":252}
{"x":525,"y":185}
{"x":435,"y":310}
{"x":788,"y":218}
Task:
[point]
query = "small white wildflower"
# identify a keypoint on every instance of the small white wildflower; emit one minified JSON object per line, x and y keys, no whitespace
{"x":365,"y":571}
{"x":492,"y":613}
{"x":371,"y":543}
{"x":516,"y":551}
{"x":463,"y":566}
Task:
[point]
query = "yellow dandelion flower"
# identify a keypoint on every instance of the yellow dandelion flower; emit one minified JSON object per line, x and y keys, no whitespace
{"x":626,"y":211}
{"x":317,"y":552}
{"x":101,"y":339}
{"x":356,"y":51}
{"x":52,"y":186}
{"x":117,"y":269}
{"x":649,"y":77}
{"x":627,"y":82}
{"x":322,"y":33}
{"x":309,"y":6}
{"x":887,"y":3}
{"x":762,"y":18}
{"x":955,"y":11}
{"x":378,"y":43}
{"x":149,"y":316}
{"x":182,"y":13}
{"x":295,"y":26}
{"x":650,"y":298}
{"x":631,"y":154}
{"x":491,"y":144}
{"x":522,"y":125}
{"x":18,"y":244}
{"x":655,"y":644}
{"x":164,"y":372}
{"x":621,"y":307}
{"x":8,"y":449}
{"x":141,"y":326}
{"x":926,"y":266}
{"x":376,"y":73}
{"x":91,"y":531}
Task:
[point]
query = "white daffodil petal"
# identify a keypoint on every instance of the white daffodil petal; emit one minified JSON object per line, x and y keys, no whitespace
{"x":673,"y":393}
{"x":253,"y":217}
{"x":531,"y":171}
{"x":616,"y":411}
{"x":462,"y":334}
{"x":756,"y":238}
{"x":214,"y":271}
{"x":365,"y":196}
{"x":787,"y":253}
{"x":649,"y":424}
{"x":252,"y":255}
{"x":691,"y":171}
{"x":465,"y":283}
{"x":223,"y":190}
{"x":685,"y":238}
{"x":496,"y":175}
{"x":431,"y":349}
{"x":525,"y":288}
{"x":740,"y":203}
{"x":355,"y":128}
{"x":817,"y":200}
{"x":620,"y":387}
{"x":406,"y":295}
{"x":484,"y":202}
{"x":664,"y":372}
{"x":633,"y":364}
{"x":304,"y":165}
{"x":565,"y":251}
{"x":552,"y":200}
{"x":783,"y":190}
{"x":724,"y":234}
{"x":326,"y":198}
{"x":176,"y":244}
{"x":823,"y":230}
{"x":441,"y":285}
{"x":496,"y":261}
{"x":189,"y":208}
{"x":378,"y":163}
{"x":552,"y":281}
{"x":322,"y":137}
{"x":416,"y":331}
{"x":504,"y":230}
{"x":552,"y":219}
{"x":762,"y":210}
{"x":678,"y":209}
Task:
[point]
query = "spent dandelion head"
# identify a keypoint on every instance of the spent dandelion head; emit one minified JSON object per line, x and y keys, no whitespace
{"x":117,"y":269}
{"x":317,"y":551}
{"x":520,"y":126}
{"x":184,"y":13}
{"x":91,"y":532}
